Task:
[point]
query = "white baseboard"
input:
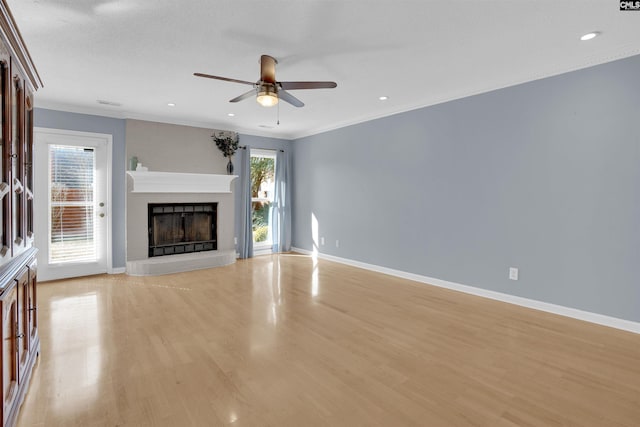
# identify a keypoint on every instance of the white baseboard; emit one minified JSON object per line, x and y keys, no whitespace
{"x":263,"y":251}
{"x":600,"y":319}
{"x":118,"y":270}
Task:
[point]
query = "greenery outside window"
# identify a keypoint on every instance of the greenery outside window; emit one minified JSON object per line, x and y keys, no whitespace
{"x":263,"y":167}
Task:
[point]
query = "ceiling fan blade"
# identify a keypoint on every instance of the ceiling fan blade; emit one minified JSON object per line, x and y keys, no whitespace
{"x":268,"y":69}
{"x":245,"y":95}
{"x":209,"y":76}
{"x":287,"y":97}
{"x":307,"y":85}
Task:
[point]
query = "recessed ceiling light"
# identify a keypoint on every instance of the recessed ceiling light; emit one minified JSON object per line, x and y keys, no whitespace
{"x":171,"y":104}
{"x":383,"y":98}
{"x":231,"y":115}
{"x":590,"y":36}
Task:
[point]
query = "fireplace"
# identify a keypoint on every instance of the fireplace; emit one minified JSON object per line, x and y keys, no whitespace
{"x":179,"y":228}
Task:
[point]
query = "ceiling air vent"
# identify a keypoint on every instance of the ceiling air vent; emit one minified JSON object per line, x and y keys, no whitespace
{"x":111,"y":103}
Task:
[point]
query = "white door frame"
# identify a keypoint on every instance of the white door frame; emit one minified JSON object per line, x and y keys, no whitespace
{"x":40,"y":203}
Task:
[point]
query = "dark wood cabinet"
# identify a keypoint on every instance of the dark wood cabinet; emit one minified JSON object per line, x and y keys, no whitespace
{"x":19,"y":326}
{"x":22,"y":334}
{"x":20,"y":348}
{"x":32,"y":306}
{"x":9,"y":353}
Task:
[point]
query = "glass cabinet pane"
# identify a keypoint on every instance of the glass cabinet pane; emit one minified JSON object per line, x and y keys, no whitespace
{"x":17,"y":156}
{"x":4,"y":151}
{"x":28,"y":163}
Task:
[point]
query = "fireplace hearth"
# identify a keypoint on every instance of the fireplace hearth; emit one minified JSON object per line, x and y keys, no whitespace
{"x":179,"y":228}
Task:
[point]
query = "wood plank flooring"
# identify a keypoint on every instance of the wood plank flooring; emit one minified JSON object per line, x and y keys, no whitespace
{"x":289,"y":341}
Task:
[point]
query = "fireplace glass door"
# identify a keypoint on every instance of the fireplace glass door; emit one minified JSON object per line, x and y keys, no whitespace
{"x":177,"y":228}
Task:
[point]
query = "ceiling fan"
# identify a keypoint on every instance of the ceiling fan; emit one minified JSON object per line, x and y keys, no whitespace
{"x":267,"y":90}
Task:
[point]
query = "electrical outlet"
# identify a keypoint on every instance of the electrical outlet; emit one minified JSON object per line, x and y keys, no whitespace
{"x":337,"y":243}
{"x":513,"y":273}
{"x":322,"y":241}
{"x":235,"y":240}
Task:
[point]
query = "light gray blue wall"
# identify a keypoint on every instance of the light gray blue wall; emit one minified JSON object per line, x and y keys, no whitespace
{"x":116,"y":128}
{"x":544,"y":176}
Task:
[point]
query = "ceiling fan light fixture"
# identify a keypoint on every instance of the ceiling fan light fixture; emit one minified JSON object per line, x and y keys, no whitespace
{"x":267,"y":97}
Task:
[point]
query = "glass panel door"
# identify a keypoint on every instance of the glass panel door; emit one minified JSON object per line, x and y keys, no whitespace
{"x":71,"y":230}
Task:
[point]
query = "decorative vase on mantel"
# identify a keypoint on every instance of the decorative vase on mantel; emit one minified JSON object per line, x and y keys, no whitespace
{"x":230,"y":167}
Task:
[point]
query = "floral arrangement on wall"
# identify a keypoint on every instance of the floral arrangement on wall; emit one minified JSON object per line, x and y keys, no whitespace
{"x":227,"y":142}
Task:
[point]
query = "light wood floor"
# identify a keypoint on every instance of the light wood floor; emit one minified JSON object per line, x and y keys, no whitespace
{"x":286,"y":341}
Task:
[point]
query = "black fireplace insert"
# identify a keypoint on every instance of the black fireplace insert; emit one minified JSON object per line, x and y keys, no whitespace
{"x":178,"y":228}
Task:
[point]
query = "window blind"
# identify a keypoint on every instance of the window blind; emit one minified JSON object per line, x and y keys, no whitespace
{"x":72,"y":228}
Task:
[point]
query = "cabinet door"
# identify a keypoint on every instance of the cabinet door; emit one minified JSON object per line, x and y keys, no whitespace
{"x":22,"y":339}
{"x":9,"y":351}
{"x":32,"y":302}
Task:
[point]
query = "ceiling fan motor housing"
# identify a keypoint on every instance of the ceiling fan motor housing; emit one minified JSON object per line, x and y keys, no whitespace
{"x":268,"y":69}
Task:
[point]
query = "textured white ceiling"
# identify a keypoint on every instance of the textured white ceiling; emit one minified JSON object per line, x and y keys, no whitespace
{"x":142,"y":54}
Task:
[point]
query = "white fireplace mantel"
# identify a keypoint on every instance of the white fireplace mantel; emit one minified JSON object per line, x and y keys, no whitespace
{"x":174,"y":182}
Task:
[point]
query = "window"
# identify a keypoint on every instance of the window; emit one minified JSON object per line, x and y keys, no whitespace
{"x":263,"y":167}
{"x":71,"y":188}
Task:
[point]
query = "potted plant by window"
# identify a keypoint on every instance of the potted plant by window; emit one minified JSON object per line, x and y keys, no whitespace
{"x":227,"y":142}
